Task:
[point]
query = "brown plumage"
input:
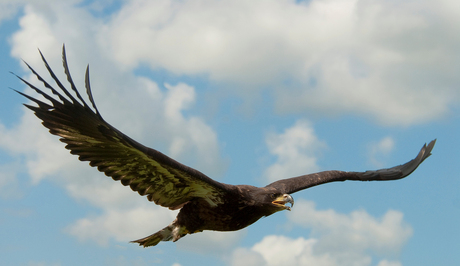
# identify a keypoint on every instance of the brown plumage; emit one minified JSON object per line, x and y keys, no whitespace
{"x":204,"y":203}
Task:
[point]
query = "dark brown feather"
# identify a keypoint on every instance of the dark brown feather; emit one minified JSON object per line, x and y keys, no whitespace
{"x":292,"y":185}
{"x":147,"y":171}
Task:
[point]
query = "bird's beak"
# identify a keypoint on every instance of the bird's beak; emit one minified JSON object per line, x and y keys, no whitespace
{"x":283,"y":200}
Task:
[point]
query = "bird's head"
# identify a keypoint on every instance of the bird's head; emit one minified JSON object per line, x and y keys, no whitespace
{"x":271,"y":200}
{"x":280,"y":200}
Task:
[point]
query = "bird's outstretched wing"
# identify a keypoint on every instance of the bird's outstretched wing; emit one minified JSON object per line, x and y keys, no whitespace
{"x":165,"y":181}
{"x":295,"y":184}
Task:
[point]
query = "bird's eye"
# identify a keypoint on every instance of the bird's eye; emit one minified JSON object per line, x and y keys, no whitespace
{"x":273,"y":195}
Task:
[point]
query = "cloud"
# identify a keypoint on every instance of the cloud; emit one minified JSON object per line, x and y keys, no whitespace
{"x":121,"y":225}
{"x":380,"y":149}
{"x":357,"y":231}
{"x":391,"y":62}
{"x":337,"y":239}
{"x":246,"y":257}
{"x":295,"y":251}
{"x":191,"y":137}
{"x":9,"y":8}
{"x":138,"y":261}
{"x":371,"y":58}
{"x":389,"y":263}
{"x":296,"y":150}
{"x":44,"y":155}
{"x":211,"y":242}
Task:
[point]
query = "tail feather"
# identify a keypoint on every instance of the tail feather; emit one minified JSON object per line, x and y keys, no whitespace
{"x":171,"y":232}
{"x":152,"y":240}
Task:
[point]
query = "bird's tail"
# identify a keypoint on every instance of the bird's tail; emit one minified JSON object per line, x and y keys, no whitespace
{"x":170,"y":232}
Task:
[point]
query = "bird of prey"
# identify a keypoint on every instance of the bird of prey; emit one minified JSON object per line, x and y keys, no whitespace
{"x":204,"y":203}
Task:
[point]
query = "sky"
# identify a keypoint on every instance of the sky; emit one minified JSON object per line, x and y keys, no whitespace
{"x":247,"y":92}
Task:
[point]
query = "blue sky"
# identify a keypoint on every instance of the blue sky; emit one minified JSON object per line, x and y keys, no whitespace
{"x":247,"y":92}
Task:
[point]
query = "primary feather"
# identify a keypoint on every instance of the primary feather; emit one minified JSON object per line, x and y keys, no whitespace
{"x":147,"y":171}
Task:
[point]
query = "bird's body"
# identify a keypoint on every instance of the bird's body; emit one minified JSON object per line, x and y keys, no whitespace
{"x":236,"y":212}
{"x":204,"y":203}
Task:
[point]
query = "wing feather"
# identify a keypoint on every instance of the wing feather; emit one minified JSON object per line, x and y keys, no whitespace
{"x":292,"y":185}
{"x":147,"y":171}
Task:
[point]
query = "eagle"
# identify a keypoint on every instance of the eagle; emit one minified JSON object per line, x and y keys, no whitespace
{"x":204,"y":203}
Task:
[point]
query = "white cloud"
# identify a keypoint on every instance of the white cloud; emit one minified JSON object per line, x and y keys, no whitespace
{"x":126,"y":261}
{"x":355,"y":239}
{"x":389,"y":263}
{"x":9,"y":8}
{"x":121,"y":225}
{"x":294,"y":251}
{"x":191,"y":137}
{"x":390,"y":61}
{"x":357,"y":231}
{"x":246,"y":257}
{"x":296,"y":150}
{"x":380,"y":149}
{"x":373,"y":58}
{"x":44,"y":154}
{"x":211,"y":242}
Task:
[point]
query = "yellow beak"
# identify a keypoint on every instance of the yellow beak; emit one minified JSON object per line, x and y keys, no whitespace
{"x":283,"y":200}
